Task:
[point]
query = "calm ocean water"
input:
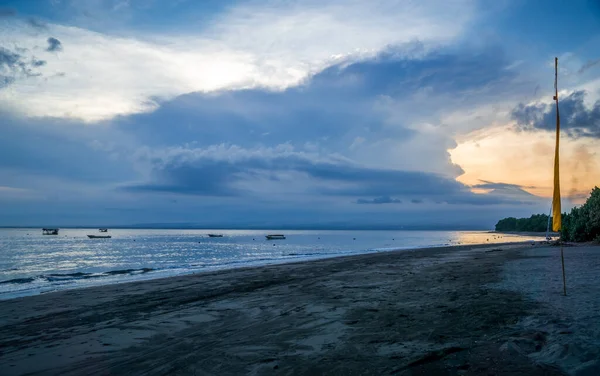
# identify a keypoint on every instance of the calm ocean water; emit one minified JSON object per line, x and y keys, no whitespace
{"x":32,"y":263}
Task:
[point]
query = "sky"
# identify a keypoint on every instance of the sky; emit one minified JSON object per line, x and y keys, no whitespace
{"x":294,"y":113}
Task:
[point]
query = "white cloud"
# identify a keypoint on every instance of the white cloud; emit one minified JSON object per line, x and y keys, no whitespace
{"x":270,"y":45}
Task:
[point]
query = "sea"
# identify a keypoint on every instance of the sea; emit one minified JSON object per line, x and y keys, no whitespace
{"x":32,"y":263}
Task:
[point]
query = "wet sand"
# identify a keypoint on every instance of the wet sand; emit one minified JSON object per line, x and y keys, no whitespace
{"x":434,"y":311}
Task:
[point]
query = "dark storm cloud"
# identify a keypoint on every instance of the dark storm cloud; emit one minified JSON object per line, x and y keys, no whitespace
{"x":379,"y":200}
{"x":54,"y":45}
{"x":334,"y":107}
{"x":575,"y":117}
{"x":502,"y":186}
{"x":214,"y":170}
{"x":9,"y":63}
{"x":208,"y":179}
{"x":56,"y":148}
{"x":9,"y":59}
{"x":180,"y":148}
{"x":336,"y":104}
{"x":220,"y":171}
{"x":13,"y":65}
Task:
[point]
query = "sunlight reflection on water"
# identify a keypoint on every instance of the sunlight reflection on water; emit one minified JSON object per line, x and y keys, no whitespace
{"x":27,"y":257}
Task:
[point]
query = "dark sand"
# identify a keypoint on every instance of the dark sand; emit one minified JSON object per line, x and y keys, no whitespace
{"x":435,"y":311}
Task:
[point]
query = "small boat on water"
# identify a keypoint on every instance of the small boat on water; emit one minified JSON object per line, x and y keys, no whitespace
{"x":49,"y":231}
{"x":99,"y":236}
{"x":215,"y":235}
{"x":103,"y":229}
{"x":275,"y":237}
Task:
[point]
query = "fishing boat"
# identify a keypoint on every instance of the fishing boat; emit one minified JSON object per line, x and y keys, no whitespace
{"x":215,"y":235}
{"x":103,"y":229}
{"x":49,"y":231}
{"x":99,"y":236}
{"x":275,"y":237}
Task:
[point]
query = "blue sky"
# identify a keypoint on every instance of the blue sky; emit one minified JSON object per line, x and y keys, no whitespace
{"x":388,"y":113}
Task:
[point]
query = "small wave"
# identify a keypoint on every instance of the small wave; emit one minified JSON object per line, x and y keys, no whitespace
{"x":60,"y":277}
{"x":129,"y":271}
{"x":76,"y":275}
{"x":9,"y":270}
{"x":18,"y":281}
{"x":311,"y":253}
{"x":57,"y":277}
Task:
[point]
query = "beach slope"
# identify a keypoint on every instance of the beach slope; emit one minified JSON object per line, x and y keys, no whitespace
{"x":432,"y":311}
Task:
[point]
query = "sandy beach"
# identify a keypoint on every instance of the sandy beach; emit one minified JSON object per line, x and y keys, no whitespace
{"x":458,"y":310}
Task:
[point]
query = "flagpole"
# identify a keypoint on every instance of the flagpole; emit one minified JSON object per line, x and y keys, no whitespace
{"x":562,"y":259}
{"x":556,"y":209}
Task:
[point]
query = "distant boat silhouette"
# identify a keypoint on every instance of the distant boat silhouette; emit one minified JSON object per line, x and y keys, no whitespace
{"x":215,"y":235}
{"x":99,"y":236}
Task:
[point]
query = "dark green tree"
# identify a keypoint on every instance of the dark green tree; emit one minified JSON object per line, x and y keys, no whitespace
{"x":535,"y":223}
{"x":582,"y":224}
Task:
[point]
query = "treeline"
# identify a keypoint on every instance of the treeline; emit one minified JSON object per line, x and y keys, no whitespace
{"x":535,"y":223}
{"x":582,"y":224}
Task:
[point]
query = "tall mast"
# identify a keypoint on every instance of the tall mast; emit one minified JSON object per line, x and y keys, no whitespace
{"x":556,"y":210}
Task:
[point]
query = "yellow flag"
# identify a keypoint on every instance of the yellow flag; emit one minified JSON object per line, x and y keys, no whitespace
{"x":556,"y":211}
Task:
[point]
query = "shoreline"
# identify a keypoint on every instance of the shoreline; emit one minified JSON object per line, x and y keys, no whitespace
{"x":422,"y":310}
{"x":527,"y":233}
{"x":151,"y":274}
